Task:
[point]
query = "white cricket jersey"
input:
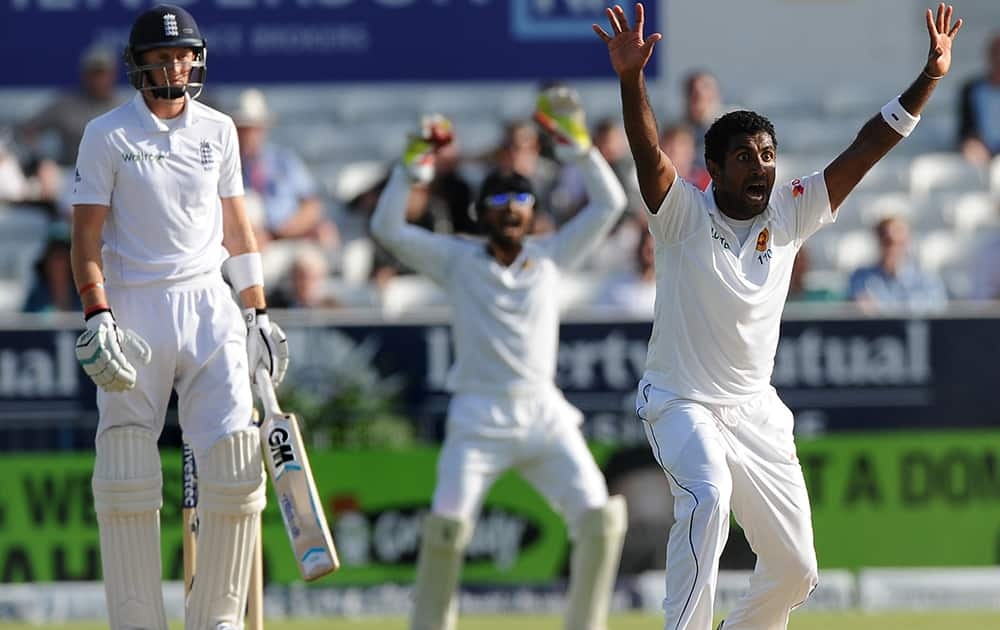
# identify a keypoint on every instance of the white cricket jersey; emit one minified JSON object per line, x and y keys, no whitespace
{"x":718,"y":304}
{"x":505,"y":320}
{"x":163,"y":184}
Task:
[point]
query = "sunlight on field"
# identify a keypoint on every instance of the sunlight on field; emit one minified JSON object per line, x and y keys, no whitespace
{"x":803,"y":621}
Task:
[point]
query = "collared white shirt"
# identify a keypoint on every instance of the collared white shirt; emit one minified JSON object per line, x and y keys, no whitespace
{"x":719,"y":303}
{"x":163,"y":183}
{"x":506,"y":318}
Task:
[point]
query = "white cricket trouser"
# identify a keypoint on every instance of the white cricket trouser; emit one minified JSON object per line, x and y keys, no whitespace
{"x":740,"y":457}
{"x":538,"y":436}
{"x":198,"y":342}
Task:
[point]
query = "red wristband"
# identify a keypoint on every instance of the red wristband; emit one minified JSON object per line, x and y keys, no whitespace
{"x":91,"y":287}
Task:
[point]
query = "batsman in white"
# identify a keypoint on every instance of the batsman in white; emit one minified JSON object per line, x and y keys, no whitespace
{"x":506,"y":412}
{"x":158,"y":184}
{"x":723,"y":261}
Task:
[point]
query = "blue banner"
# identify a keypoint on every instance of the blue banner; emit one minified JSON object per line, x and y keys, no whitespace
{"x":271,"y":41}
{"x":837,"y":375}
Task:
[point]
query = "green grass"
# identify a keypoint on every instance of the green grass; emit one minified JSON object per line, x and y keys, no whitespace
{"x":800,"y":621}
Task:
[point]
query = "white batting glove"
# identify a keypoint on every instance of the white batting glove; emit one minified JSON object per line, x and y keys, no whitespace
{"x":560,"y":113}
{"x":267,"y":346}
{"x":419,"y":157}
{"x":102,"y":350}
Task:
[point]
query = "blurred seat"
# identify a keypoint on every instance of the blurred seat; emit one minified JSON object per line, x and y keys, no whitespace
{"x":23,"y":233}
{"x":12,"y":295}
{"x":940,"y":248}
{"x":351,"y":295}
{"x":346,"y":180}
{"x":477,"y":137}
{"x":827,"y":137}
{"x":405,"y":294}
{"x":890,"y":174}
{"x":791,"y":164}
{"x":967,"y":212}
{"x":873,"y":207}
{"x":856,"y":248}
{"x":944,"y":171}
{"x":356,"y":258}
{"x":579,"y":290}
{"x":822,"y":247}
{"x":995,"y":177}
{"x":832,"y":280}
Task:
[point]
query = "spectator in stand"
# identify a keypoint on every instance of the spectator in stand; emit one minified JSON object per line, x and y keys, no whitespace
{"x":570,"y":196}
{"x":520,"y":152}
{"x":702,"y":105}
{"x":305,"y":286}
{"x":634,"y":292}
{"x":69,"y":113}
{"x":18,"y":188}
{"x":282,"y":198}
{"x":450,"y":193}
{"x":799,"y":289}
{"x":896,"y":283}
{"x":979,"y":123}
{"x":52,"y":288}
{"x":985,"y":270}
{"x":678,"y":142}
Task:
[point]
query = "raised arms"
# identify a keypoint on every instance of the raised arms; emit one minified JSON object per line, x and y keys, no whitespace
{"x":629,"y":52}
{"x":877,"y":137}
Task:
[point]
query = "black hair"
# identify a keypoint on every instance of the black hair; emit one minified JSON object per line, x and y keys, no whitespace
{"x":734,"y":124}
{"x":502,"y":181}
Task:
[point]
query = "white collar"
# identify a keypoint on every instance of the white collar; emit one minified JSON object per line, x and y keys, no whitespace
{"x":152,"y":123}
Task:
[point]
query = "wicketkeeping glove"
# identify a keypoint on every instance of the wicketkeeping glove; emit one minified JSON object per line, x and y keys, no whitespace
{"x":418,"y":158}
{"x":560,"y":113}
{"x":267,"y":345}
{"x":102,"y":350}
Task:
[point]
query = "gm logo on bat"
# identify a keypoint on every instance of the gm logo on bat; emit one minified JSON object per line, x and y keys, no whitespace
{"x":282,"y":454}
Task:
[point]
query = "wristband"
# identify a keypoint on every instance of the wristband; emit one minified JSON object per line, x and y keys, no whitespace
{"x":931,"y":76}
{"x":254,"y":316}
{"x":94,"y":310}
{"x":91,"y":286}
{"x":245,"y":271}
{"x":896,"y":116}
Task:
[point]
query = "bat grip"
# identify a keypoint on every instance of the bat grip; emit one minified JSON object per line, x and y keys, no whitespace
{"x":265,"y":390}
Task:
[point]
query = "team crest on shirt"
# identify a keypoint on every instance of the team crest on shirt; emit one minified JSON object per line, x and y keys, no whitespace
{"x":763,"y":248}
{"x":205,"y":152}
{"x":797,"y":188}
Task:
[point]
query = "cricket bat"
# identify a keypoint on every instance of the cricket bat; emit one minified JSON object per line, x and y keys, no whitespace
{"x":292,"y":479}
{"x":189,"y":514}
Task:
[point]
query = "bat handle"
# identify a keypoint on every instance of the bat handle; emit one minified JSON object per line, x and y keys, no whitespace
{"x":265,"y":390}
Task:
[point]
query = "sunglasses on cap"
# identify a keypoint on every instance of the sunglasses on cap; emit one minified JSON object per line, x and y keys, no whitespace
{"x":502,"y":199}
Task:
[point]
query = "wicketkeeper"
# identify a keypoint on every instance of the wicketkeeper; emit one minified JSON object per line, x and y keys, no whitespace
{"x":507,"y":412}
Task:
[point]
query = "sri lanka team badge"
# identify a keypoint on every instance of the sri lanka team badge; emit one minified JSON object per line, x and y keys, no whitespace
{"x":762,"y":240}
{"x":763,"y":248}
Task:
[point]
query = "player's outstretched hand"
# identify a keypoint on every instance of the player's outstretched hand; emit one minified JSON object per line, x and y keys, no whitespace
{"x":104,"y":350}
{"x":560,"y":113}
{"x":267,"y":346}
{"x":435,"y":132}
{"x":942,"y":34}
{"x":628,"y":48}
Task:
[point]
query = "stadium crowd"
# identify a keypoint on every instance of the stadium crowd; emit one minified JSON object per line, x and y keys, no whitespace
{"x":923,"y":228}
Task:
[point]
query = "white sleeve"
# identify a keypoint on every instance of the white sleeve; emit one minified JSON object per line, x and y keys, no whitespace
{"x":607,"y":201}
{"x":230,"y":171}
{"x":678,"y":215}
{"x":804,"y":205}
{"x":94,"y":178}
{"x":416,"y":247}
